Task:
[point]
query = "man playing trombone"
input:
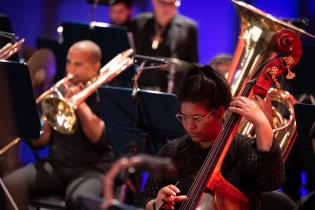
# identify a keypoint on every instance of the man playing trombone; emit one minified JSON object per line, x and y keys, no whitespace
{"x":76,"y":161}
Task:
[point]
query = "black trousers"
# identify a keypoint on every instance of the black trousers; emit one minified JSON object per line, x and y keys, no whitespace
{"x":45,"y":178}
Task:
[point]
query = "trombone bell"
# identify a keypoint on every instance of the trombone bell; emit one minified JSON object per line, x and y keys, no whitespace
{"x":58,"y":111}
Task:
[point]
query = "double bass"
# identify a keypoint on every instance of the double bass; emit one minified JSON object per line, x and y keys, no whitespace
{"x":288,"y":47}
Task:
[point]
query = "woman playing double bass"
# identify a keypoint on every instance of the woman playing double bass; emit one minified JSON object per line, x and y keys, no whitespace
{"x":248,"y":165}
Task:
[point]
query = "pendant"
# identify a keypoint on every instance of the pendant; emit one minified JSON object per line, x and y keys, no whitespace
{"x":156,"y":39}
{"x":155,"y":44}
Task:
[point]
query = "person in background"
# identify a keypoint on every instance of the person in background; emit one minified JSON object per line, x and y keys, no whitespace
{"x":76,"y":161}
{"x":221,"y":63}
{"x":120,"y":12}
{"x":204,"y":97}
{"x":164,"y":33}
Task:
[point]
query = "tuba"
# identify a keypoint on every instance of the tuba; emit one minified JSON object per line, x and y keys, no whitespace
{"x":59,"y":109}
{"x":283,"y":120}
{"x":253,"y":49}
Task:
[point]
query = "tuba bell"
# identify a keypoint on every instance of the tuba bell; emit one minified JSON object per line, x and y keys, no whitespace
{"x":254,"y":44}
{"x":253,"y":49}
{"x":59,"y":109}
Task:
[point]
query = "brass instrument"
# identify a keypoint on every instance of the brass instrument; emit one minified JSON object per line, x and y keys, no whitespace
{"x":59,"y":110}
{"x":10,"y":48}
{"x":253,"y":49}
{"x":254,"y":44}
{"x":283,"y":120}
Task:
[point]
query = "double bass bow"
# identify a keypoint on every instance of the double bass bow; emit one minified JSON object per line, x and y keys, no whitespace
{"x":288,"y":47}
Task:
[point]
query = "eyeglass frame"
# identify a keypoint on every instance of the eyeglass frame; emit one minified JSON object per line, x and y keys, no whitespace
{"x":195,"y":119}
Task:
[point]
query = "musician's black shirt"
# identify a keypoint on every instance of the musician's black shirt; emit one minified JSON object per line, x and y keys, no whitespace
{"x":179,"y":40}
{"x":244,"y":166}
{"x":76,"y":151}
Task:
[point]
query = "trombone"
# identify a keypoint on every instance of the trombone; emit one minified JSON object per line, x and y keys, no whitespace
{"x":59,"y":109}
{"x":10,"y":48}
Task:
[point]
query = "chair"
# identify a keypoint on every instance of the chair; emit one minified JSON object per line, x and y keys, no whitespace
{"x":273,"y":200}
{"x":53,"y":202}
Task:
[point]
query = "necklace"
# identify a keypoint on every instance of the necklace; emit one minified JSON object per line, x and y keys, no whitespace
{"x":157,"y":37}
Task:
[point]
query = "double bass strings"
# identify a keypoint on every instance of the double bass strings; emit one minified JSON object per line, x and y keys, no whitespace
{"x":198,"y":185}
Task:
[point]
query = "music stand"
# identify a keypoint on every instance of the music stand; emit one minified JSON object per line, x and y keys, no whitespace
{"x":18,"y":112}
{"x":158,"y":112}
{"x":19,"y":116}
{"x":305,"y":116}
{"x":111,"y":39}
{"x":146,"y":121}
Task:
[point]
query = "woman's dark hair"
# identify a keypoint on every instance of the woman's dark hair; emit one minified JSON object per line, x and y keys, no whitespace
{"x":202,"y":84}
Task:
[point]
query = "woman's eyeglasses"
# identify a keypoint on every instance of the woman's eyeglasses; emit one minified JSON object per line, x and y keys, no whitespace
{"x":195,"y":119}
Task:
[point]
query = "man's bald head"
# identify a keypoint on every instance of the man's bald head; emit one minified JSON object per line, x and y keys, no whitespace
{"x":95,"y":53}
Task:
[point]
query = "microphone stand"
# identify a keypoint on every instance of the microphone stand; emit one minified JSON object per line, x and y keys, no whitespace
{"x":171,"y":78}
{"x":138,"y":74}
{"x":143,"y":60}
{"x":8,"y":35}
{"x":134,"y":95}
{"x":155,"y":63}
{"x":6,"y":191}
{"x":135,"y":79}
